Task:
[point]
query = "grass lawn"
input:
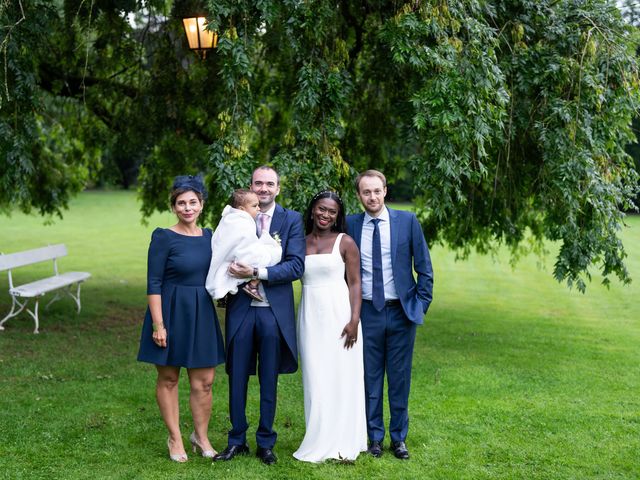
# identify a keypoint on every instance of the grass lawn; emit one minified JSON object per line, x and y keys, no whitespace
{"x":515,"y":376}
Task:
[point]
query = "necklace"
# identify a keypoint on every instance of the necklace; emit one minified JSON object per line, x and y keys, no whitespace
{"x":197,"y":232}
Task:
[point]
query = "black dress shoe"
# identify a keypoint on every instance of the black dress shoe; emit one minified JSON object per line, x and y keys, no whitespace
{"x":231,"y":451}
{"x":266,"y":455}
{"x":375,"y":448}
{"x":400,"y":450}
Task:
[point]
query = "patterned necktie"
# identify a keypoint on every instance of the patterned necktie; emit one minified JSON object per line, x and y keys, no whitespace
{"x":262,"y":224}
{"x":377,"y":294}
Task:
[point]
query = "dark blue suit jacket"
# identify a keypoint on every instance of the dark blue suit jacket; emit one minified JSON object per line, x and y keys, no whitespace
{"x":409,"y":252}
{"x":288,"y":225}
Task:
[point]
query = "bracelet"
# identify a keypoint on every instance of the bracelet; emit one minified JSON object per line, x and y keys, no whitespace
{"x":156,"y":326}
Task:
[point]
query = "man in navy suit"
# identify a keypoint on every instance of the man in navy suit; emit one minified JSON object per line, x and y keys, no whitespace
{"x":392,"y":247}
{"x":263,"y":330}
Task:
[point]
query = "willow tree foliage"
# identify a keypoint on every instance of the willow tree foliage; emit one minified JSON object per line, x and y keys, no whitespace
{"x":508,"y":118}
{"x":511,"y":117}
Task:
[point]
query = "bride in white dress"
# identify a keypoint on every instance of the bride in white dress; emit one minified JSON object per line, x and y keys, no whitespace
{"x":329,"y":337}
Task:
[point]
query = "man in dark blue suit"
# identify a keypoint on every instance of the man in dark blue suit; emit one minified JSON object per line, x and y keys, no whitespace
{"x":392,"y":247}
{"x":263,"y":332}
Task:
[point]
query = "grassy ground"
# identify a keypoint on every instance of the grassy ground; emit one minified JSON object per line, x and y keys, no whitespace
{"x":514,"y":375}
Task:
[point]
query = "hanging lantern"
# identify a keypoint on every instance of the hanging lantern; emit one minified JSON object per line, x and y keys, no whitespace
{"x":200,"y":39}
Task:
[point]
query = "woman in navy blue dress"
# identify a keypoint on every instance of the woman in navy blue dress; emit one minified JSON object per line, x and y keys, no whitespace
{"x":181,"y":328}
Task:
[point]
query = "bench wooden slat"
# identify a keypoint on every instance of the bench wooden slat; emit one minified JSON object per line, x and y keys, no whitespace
{"x":28,"y":257}
{"x":45,"y":285}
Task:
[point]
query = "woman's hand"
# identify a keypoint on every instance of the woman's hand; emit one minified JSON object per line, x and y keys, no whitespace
{"x":160,"y":335}
{"x":350,"y":332}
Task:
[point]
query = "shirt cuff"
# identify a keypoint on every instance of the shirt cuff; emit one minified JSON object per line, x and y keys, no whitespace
{"x":263,"y":273}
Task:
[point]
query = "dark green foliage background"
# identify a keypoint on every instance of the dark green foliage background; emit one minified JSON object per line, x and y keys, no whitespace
{"x":506,"y":121}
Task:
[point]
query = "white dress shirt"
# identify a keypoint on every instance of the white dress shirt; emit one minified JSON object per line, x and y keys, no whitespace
{"x":367,"y":260}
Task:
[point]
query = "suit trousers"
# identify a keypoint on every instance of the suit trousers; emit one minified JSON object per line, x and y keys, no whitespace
{"x":259,"y":335}
{"x":388,"y":342}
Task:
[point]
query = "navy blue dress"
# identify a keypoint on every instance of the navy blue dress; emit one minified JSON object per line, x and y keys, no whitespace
{"x":177,"y":270}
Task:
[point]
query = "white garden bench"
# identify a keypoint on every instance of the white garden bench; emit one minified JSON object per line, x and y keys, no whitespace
{"x":58,"y":282}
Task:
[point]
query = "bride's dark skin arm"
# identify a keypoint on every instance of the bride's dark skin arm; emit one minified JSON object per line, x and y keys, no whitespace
{"x":351,"y":256}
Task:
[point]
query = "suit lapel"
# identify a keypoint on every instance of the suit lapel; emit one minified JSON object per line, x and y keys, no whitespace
{"x":357,"y":229}
{"x":395,"y":228}
{"x":276,"y":221}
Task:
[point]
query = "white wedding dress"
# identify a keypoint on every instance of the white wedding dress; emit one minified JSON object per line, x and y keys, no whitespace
{"x":332,"y":377}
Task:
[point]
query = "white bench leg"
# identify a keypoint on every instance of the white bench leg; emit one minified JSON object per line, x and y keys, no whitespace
{"x":13,"y":313}
{"x":34,"y":314}
{"x":75,"y":297}
{"x":55,"y":297}
{"x":78,"y":298}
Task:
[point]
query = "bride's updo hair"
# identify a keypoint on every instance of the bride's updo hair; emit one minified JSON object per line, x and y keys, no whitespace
{"x":341,"y":223}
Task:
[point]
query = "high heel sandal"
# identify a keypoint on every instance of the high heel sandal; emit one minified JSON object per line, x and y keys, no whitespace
{"x":176,"y":457}
{"x":197,"y":447}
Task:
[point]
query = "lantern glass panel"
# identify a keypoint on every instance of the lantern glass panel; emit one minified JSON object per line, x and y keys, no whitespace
{"x":191,"y":29}
{"x":208,"y":39}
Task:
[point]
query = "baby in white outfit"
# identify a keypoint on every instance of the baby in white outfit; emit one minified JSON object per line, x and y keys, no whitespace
{"x":235,"y":239}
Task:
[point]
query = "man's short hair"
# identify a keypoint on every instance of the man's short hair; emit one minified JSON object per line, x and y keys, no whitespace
{"x":266,"y":167}
{"x":370,"y":173}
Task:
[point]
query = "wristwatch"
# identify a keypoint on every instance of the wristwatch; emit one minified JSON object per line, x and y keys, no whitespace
{"x":255,"y":273}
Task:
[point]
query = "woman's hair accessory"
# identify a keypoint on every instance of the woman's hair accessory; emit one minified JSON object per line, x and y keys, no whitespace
{"x":190,"y":182}
{"x":325,"y":193}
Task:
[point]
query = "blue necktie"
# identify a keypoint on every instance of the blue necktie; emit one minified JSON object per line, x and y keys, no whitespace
{"x":377,"y":294}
